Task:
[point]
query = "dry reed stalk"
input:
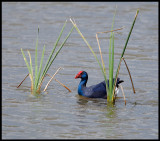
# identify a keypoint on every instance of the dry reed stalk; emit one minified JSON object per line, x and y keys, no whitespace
{"x":60,"y":83}
{"x":129,"y":75}
{"x":100,"y":53}
{"x":48,"y":75}
{"x":31,"y":82}
{"x":23,"y":80}
{"x":117,"y":75}
{"x":123,"y":93}
{"x":112,"y":30}
{"x":51,"y":79}
{"x":31,"y":69}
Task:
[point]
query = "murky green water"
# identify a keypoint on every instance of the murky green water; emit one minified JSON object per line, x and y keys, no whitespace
{"x":62,"y":115}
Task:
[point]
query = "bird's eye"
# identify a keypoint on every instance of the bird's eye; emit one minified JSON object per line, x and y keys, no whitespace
{"x":82,"y":73}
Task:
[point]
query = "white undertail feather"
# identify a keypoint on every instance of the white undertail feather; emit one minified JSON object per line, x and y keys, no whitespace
{"x":116,"y":91}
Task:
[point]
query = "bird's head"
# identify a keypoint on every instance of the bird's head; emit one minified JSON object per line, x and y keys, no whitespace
{"x":82,"y":75}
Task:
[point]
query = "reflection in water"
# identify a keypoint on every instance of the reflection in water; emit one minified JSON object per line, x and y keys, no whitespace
{"x":111,"y":111}
{"x":98,"y":103}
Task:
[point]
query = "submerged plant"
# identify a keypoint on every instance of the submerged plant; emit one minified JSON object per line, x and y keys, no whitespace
{"x":38,"y":76}
{"x":112,"y":84}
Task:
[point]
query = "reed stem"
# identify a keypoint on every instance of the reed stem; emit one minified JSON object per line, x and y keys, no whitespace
{"x":129,"y":75}
{"x":123,"y":93}
{"x":125,"y":47}
{"x":23,"y":80}
{"x":51,"y":79}
{"x":60,"y":83}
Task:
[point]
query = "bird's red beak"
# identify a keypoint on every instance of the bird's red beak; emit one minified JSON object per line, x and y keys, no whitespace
{"x":78,"y":75}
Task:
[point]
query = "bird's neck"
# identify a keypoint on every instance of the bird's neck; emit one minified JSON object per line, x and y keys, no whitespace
{"x":81,"y":86}
{"x":83,"y":82}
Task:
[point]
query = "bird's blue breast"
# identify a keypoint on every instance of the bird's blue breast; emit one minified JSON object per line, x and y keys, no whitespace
{"x":81,"y":87}
{"x":80,"y":92}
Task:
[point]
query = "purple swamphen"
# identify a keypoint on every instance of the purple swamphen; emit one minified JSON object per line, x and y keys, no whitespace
{"x":94,"y":91}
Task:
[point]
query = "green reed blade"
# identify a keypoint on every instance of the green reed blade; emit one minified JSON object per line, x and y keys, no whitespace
{"x":126,"y":45}
{"x":40,"y":66}
{"x":105,"y":77}
{"x":47,"y":68}
{"x":30,"y":63}
{"x":51,"y":54}
{"x":112,"y":66}
{"x":111,"y":47}
{"x":59,"y":49}
{"x":36,"y":63}
{"x":110,"y":76}
{"x":129,"y":34}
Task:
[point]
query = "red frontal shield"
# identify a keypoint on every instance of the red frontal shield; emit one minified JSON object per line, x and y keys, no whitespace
{"x":78,"y":75}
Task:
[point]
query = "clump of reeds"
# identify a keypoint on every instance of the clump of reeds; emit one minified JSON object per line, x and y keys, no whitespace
{"x":112,"y":84}
{"x":37,"y":77}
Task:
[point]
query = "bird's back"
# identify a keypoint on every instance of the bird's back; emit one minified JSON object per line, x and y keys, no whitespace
{"x":98,"y":90}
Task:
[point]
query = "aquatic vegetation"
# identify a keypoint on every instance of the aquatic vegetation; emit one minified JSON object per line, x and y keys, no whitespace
{"x":112,"y":85}
{"x":38,"y":76}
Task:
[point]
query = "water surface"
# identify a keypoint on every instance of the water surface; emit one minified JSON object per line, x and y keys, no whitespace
{"x":58,"y":114}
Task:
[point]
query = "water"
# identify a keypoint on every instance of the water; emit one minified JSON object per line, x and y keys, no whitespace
{"x":59,"y":114}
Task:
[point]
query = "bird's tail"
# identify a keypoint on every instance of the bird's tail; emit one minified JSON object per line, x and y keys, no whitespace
{"x":120,"y":81}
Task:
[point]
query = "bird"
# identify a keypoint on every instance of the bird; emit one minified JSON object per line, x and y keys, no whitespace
{"x":94,"y":91}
